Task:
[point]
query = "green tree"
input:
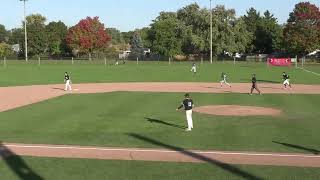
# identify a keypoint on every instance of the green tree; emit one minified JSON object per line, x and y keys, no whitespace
{"x":166,"y":34}
{"x":116,"y":36}
{"x":302,"y":32}
{"x":136,"y":45}
{"x":56,"y":34}
{"x":229,"y":33}
{"x":37,"y":39}
{"x":145,"y":36}
{"x":265,"y":31}
{"x":268,"y":34}
{"x":136,"y":41}
{"x":16,"y":36}
{"x":3,"y":34}
{"x":5,"y":49}
{"x":197,"y":22}
{"x":242,"y":36}
{"x":252,"y":20}
{"x":127,"y":36}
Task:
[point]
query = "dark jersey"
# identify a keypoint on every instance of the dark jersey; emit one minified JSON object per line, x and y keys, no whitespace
{"x":254,"y":80}
{"x":66,"y":77}
{"x":187,"y":104}
{"x":285,"y":76}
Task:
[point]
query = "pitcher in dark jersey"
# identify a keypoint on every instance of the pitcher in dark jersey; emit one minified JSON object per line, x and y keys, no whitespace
{"x":187,"y":103}
{"x":286,"y":80}
{"x":67,"y":80}
{"x":254,"y":84}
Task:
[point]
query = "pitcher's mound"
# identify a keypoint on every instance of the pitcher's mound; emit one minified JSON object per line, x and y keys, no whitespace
{"x":235,"y":110}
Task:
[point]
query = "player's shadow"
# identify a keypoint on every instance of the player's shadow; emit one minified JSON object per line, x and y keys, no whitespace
{"x":313,"y":151}
{"x":17,"y":164}
{"x":227,"y":167}
{"x":266,"y":87}
{"x":267,"y":81}
{"x":151,"y":120}
{"x":213,"y":87}
{"x":261,"y":80}
{"x":55,"y":88}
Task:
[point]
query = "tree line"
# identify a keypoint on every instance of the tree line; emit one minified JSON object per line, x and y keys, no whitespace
{"x":185,"y":32}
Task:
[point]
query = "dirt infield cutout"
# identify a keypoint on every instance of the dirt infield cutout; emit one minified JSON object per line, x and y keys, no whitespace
{"x":236,"y":110}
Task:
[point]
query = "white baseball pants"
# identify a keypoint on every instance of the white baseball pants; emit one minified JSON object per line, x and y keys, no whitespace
{"x":193,"y":69}
{"x":224,"y":82}
{"x":189,"y":119}
{"x":286,"y":82}
{"x":67,"y":86}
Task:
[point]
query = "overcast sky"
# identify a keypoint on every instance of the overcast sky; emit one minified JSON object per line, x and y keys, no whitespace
{"x":128,"y":15}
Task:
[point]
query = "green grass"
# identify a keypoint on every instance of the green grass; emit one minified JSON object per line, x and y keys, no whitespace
{"x":110,"y":120}
{"x":82,"y":169}
{"x":21,"y":73}
{"x":315,"y":68}
{"x":118,"y":119}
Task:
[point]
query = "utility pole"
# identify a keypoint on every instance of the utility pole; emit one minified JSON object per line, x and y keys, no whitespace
{"x":25,"y":30}
{"x":210,"y":31}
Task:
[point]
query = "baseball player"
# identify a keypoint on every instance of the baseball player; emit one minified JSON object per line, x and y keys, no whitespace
{"x":194,"y":68}
{"x":67,"y":81}
{"x":187,"y":103}
{"x":254,"y":84}
{"x":224,"y":79}
{"x":286,"y":80}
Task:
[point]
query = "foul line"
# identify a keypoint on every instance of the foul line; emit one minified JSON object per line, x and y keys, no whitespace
{"x":160,"y":151}
{"x":309,"y":71}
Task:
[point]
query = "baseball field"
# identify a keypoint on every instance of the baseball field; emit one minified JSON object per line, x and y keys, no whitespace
{"x":119,"y":122}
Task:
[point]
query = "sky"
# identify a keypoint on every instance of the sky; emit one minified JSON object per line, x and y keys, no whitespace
{"x":127,"y":15}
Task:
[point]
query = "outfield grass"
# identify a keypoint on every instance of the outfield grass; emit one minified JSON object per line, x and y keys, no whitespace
{"x":113,"y":119}
{"x":82,"y":169}
{"x":315,"y":68}
{"x":109,"y":120}
{"x":21,"y":73}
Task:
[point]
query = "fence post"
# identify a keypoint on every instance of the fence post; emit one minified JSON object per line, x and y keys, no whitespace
{"x":296,"y":61}
{"x":169,"y":60}
{"x":72,"y":62}
{"x":39,"y":63}
{"x":105,"y":61}
{"x":4,"y":62}
{"x":302,"y":62}
{"x":137,"y":60}
{"x":234,"y":60}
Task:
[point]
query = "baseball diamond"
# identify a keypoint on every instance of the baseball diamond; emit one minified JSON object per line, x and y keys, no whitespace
{"x":94,"y":129}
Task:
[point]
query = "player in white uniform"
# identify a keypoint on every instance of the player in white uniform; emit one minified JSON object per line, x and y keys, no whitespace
{"x":67,"y":80}
{"x":224,"y":79}
{"x":194,"y":68}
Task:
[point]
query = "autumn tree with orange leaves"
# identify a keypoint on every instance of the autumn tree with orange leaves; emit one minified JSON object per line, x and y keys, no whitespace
{"x":88,"y":37}
{"x":302,"y":32}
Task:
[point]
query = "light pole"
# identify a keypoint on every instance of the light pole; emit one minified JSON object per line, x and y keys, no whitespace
{"x":25,"y":30}
{"x":210,"y":32}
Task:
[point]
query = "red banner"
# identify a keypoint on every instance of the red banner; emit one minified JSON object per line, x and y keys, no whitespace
{"x":279,"y":61}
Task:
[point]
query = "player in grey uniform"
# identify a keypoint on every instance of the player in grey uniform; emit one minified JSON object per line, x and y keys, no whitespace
{"x":187,"y":103}
{"x":194,"y":69}
{"x":67,"y":80}
{"x":254,"y":85}
{"x":224,"y":79}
